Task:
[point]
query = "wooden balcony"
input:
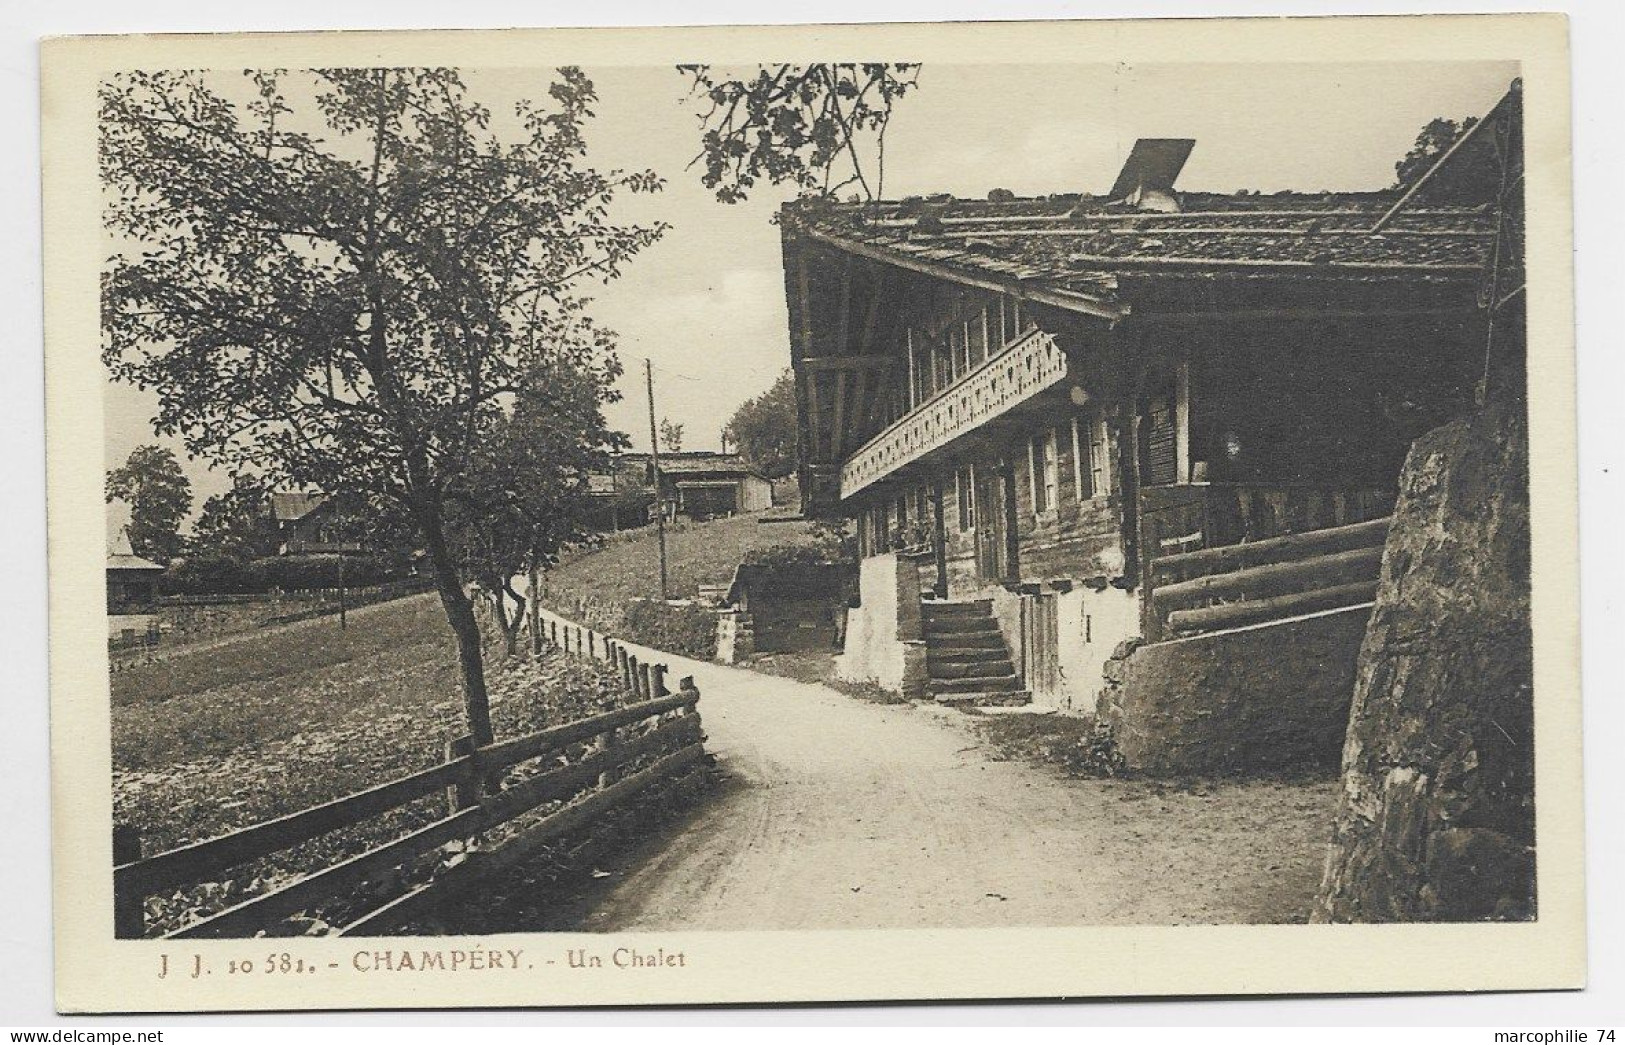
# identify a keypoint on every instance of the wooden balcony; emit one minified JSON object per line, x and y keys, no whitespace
{"x":995,"y":387}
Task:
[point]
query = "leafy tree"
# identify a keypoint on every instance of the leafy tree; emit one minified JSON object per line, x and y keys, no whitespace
{"x":1463,"y":183}
{"x":526,"y":493}
{"x":235,"y":526}
{"x":808,"y":125}
{"x":764,"y":428}
{"x":671,"y":435}
{"x":334,"y":278}
{"x":159,"y":495}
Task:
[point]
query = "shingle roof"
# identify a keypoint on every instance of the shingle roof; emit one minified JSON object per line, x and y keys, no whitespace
{"x":117,"y":561}
{"x":1082,"y":244}
{"x":293,"y":505}
{"x":683,"y":464}
{"x":690,"y":462}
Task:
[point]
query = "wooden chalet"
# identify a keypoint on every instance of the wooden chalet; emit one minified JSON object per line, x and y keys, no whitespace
{"x":1046,"y":414}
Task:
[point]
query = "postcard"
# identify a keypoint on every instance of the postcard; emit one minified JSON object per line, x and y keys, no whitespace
{"x":810,"y":514}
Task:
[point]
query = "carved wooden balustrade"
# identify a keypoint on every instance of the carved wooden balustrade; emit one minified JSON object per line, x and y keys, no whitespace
{"x":995,"y":387}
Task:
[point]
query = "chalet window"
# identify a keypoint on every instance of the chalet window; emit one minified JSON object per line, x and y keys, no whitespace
{"x":1100,"y":455}
{"x":964,"y":494}
{"x":1091,"y":468}
{"x":1041,"y":469}
{"x":1082,"y":481}
{"x":1160,"y":462}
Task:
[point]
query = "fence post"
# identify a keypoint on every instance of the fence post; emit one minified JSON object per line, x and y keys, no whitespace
{"x":657,"y":681}
{"x":592,"y":644}
{"x":646,"y":681}
{"x":129,"y":918}
{"x":623,"y":661}
{"x":635,"y":682}
{"x":690,"y":714}
{"x":466,"y":791}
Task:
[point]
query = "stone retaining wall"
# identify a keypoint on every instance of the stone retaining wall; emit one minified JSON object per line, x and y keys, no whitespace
{"x":1265,"y":696}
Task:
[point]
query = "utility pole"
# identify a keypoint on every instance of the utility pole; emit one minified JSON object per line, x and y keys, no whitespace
{"x":654,"y":458}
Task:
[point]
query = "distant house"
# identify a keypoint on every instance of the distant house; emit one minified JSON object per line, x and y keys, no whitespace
{"x":307,"y":524}
{"x":132,"y":594}
{"x":132,"y":583}
{"x":705,"y":485}
{"x":695,"y":484}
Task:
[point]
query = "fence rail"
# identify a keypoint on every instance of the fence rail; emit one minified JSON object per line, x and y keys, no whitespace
{"x":592,"y":782}
{"x":1260,"y":581}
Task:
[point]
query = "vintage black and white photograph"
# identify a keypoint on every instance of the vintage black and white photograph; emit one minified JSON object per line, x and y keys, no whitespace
{"x":590,"y":499}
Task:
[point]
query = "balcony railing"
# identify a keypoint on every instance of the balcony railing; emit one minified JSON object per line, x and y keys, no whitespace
{"x":997,"y":386}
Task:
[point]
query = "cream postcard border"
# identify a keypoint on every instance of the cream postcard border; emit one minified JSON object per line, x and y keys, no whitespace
{"x":95,"y":973}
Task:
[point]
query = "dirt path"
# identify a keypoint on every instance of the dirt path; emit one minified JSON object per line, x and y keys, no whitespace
{"x":839,"y":813}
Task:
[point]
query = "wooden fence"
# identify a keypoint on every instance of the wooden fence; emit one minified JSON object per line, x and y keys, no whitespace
{"x":1260,"y":581}
{"x":611,"y":758}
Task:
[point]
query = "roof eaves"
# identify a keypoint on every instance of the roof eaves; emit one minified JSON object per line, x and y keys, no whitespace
{"x":1018,"y":283}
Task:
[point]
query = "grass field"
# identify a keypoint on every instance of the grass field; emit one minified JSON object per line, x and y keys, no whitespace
{"x":207,"y":742}
{"x":627,"y":566}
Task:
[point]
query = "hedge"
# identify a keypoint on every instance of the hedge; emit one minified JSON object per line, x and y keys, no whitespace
{"x":687,"y":630}
{"x":208,"y":576}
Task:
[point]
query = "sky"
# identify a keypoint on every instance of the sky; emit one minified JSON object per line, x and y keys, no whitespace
{"x":706,"y":303}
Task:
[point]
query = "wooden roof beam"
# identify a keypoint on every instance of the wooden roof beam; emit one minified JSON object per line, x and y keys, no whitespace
{"x":873,"y":361}
{"x":1068,"y":300}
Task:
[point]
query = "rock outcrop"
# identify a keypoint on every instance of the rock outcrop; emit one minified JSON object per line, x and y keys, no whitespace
{"x":1436,"y":820}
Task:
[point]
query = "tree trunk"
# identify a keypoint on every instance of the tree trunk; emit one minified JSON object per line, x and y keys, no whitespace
{"x":510,"y":625}
{"x":1436,"y":820}
{"x":460,"y":614}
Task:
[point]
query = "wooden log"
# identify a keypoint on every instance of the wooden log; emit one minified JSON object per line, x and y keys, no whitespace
{"x":252,"y":915}
{"x":657,"y":681}
{"x":129,"y":915}
{"x":565,"y":781}
{"x":1254,"y":611}
{"x":579,"y":814}
{"x":1276,"y":579}
{"x":638,"y":679}
{"x":380,"y":920}
{"x":532,"y":745}
{"x":200,"y":860}
{"x":1171,"y":568}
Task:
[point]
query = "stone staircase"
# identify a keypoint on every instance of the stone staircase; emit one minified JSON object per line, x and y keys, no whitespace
{"x":966,"y":659}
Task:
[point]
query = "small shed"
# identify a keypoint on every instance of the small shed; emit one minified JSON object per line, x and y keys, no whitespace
{"x":132,"y":583}
{"x":708,"y":485}
{"x":132,"y":598}
{"x":793,"y":607}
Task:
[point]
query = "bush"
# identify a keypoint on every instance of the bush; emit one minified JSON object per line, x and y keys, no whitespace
{"x":206,"y":574}
{"x":687,"y":630}
{"x":300,"y":572}
{"x":830,"y":544}
{"x":219,"y":575}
